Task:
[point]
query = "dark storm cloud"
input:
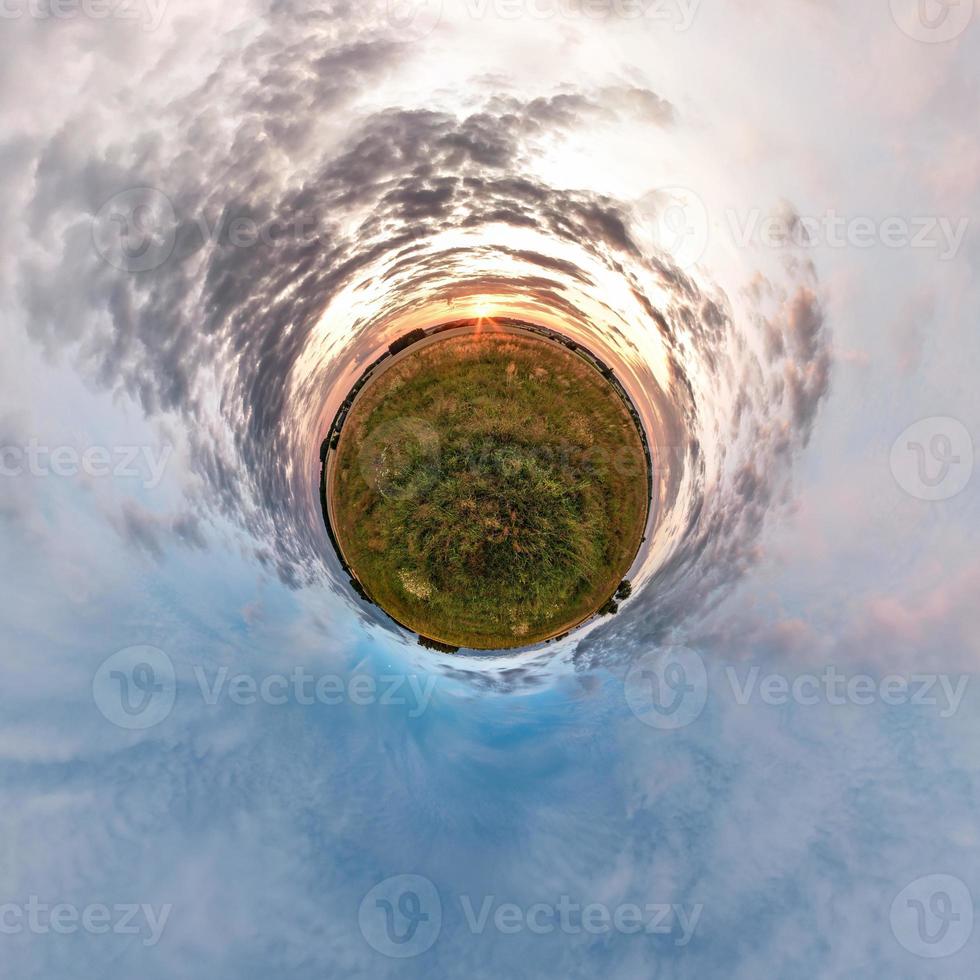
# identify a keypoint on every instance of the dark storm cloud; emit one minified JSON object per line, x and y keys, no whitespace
{"x":720,"y":540}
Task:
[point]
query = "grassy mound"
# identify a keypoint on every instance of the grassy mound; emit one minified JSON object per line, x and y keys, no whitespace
{"x":489,"y":491}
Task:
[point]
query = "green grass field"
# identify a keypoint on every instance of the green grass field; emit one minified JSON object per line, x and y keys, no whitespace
{"x":489,"y":491}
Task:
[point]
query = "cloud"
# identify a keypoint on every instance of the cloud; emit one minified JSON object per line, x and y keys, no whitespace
{"x":149,"y":533}
{"x":332,"y":182}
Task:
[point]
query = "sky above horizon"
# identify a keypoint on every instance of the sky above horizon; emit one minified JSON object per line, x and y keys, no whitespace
{"x":215,"y":761}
